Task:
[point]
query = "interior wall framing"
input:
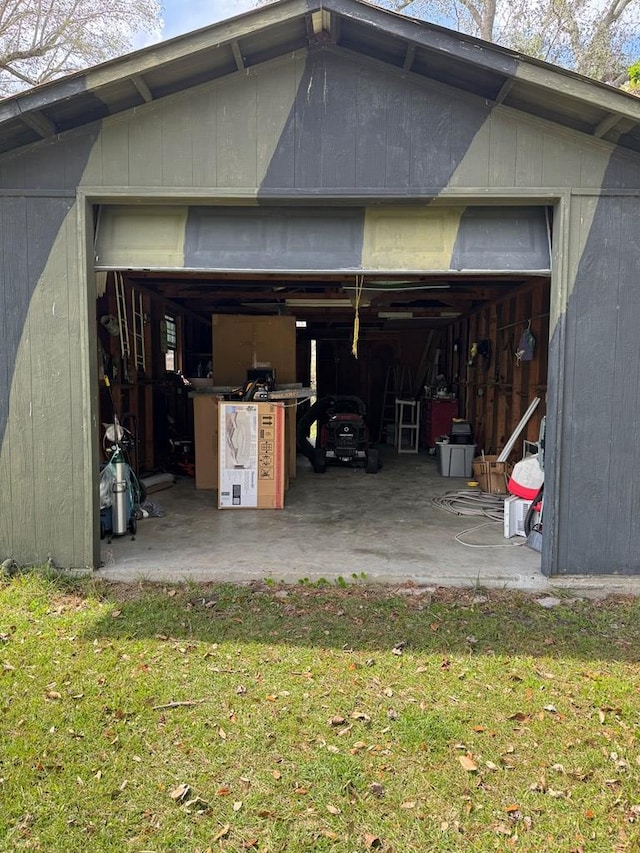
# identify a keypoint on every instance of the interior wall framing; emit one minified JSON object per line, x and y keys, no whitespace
{"x":495,"y":390}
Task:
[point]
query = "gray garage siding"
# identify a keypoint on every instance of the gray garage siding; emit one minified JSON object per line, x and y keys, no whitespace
{"x":239,"y":135}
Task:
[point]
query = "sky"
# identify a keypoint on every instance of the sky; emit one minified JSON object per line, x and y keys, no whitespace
{"x":183,"y":16}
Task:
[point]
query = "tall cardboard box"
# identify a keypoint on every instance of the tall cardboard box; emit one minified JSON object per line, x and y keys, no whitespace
{"x":205,"y":419}
{"x":242,"y":341}
{"x":251,"y":472}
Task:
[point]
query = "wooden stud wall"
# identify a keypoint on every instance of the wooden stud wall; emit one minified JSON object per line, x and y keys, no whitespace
{"x":495,"y":393}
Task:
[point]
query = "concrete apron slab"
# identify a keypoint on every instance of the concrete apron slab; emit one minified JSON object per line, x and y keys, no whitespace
{"x":381,"y":528}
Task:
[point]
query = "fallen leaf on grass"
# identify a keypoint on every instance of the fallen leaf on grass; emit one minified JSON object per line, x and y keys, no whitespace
{"x":544,"y":673}
{"x":409,"y":804}
{"x":53,"y":694}
{"x":333,"y":809}
{"x":468,"y":763}
{"x":197,"y":804}
{"x":372,"y":841}
{"x":337,"y":721}
{"x":178,"y":794}
{"x":223,"y":791}
{"x":237,"y":805}
{"x":376,"y":789}
{"x":360,"y":715}
{"x":222,"y":832}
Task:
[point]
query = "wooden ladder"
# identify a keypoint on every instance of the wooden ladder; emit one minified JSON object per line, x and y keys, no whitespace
{"x":397,"y":383}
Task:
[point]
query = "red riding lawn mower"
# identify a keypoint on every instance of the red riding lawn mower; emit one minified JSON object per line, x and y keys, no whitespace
{"x":342,"y":434}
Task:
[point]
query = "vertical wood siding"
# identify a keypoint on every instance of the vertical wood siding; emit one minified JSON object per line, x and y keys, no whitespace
{"x":599,"y":488}
{"x":44,"y":502}
{"x":318,"y":124}
{"x":333,"y":123}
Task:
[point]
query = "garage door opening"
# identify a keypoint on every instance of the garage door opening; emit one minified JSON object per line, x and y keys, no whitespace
{"x":447,"y":340}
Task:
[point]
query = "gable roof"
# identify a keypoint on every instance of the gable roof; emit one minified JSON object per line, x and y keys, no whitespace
{"x":415,"y":48}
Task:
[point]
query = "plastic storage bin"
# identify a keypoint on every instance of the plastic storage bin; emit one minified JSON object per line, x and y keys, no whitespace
{"x":455,"y":460}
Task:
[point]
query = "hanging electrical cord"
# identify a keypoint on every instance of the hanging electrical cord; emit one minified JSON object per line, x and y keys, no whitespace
{"x":471,"y":502}
{"x":356,"y":318}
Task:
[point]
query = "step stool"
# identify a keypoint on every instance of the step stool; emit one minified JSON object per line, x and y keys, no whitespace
{"x":407,"y":426}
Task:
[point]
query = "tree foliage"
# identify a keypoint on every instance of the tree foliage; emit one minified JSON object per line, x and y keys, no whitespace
{"x":44,"y":39}
{"x":597,"y":38}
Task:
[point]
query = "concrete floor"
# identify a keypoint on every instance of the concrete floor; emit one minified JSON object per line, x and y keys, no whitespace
{"x":337,"y":524}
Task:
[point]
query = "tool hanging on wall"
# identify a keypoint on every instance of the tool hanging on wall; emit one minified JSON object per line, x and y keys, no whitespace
{"x":123,"y":321}
{"x":526,"y":345}
{"x":139,"y":358}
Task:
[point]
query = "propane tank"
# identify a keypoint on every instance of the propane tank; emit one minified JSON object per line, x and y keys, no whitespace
{"x":120,"y":496}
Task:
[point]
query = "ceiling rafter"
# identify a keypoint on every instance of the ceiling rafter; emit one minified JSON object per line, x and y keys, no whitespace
{"x":606,"y":125}
{"x":142,"y":88}
{"x":237,"y":55}
{"x":37,"y":121}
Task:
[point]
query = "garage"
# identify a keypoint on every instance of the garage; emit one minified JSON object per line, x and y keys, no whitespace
{"x":366,"y":181}
{"x":287,"y":275}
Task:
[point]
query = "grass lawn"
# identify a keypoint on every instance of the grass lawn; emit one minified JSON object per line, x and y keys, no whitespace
{"x":332,"y":718}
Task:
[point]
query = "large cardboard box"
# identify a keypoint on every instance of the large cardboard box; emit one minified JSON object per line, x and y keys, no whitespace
{"x":242,"y":341}
{"x":251,"y":471}
{"x":205,"y":422}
